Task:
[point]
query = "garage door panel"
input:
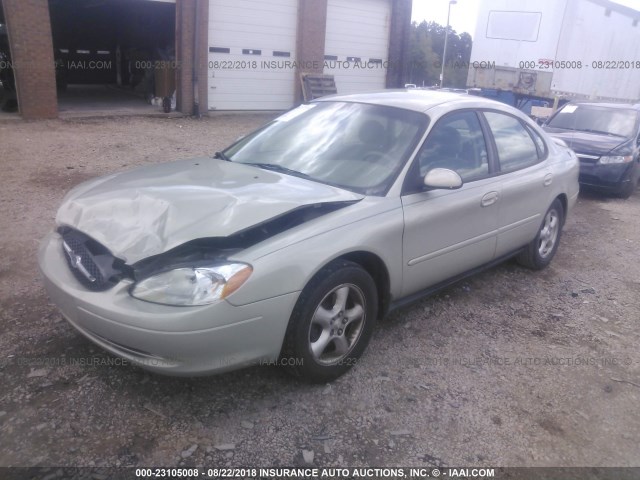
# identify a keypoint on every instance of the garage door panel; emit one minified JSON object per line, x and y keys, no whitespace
{"x":362,"y":49}
{"x":354,"y":75}
{"x":252,"y":25}
{"x":248,"y":7}
{"x":360,"y":29}
{"x":241,"y":84}
{"x":249,"y":23}
{"x":235,"y":103}
{"x":254,"y":40}
{"x":241,"y":35}
{"x":369,"y":15}
{"x":240,"y":78}
{"x":232,"y":97}
{"x":345,"y":26}
{"x":363,"y":11}
{"x":244,"y":14}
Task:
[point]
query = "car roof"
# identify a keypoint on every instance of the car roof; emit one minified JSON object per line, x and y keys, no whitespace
{"x":626,"y":106}
{"x":413,"y":99}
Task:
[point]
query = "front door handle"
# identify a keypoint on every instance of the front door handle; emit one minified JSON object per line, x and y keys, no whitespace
{"x":548,"y":179}
{"x":489,"y":199}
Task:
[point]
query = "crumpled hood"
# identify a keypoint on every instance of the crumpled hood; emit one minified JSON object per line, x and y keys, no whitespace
{"x":153,"y":209}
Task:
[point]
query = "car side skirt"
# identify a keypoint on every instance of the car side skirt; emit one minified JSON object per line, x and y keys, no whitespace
{"x":414,"y":297}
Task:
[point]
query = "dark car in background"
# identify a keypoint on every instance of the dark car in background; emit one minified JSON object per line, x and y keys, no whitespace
{"x":606,"y":138}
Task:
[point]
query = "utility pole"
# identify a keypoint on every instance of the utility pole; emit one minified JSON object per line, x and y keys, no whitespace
{"x":446,"y":36}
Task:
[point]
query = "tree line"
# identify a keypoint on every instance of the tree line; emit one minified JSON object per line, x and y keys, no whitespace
{"x":425,"y":55}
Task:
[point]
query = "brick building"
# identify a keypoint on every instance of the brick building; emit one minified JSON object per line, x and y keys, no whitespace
{"x":228,"y":54}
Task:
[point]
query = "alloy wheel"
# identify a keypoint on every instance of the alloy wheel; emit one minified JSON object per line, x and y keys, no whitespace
{"x":337,"y":324}
{"x":549,"y":233}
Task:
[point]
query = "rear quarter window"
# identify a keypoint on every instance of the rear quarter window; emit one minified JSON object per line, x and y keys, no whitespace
{"x":516,"y":148}
{"x":540,"y":143}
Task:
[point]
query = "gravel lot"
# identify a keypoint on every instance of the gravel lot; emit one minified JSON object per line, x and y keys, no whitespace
{"x":509,"y":368}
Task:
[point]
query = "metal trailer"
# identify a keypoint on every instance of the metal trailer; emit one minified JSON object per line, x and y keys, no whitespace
{"x":528,"y":52}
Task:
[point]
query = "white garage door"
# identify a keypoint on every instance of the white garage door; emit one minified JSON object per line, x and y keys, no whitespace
{"x":251,"y":52}
{"x":357,"y":44}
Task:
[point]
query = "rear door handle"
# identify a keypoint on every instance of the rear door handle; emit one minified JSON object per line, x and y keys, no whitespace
{"x":548,"y":179}
{"x":489,"y":199}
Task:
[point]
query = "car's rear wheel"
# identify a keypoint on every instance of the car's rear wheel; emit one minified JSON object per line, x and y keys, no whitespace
{"x":539,"y":253}
{"x":331,"y":323}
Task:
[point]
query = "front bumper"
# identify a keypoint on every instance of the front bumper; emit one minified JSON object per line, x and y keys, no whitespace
{"x":611,"y":177}
{"x":184,"y":341}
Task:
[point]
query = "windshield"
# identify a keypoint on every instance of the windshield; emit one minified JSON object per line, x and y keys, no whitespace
{"x":355,"y":146}
{"x":591,"y":118}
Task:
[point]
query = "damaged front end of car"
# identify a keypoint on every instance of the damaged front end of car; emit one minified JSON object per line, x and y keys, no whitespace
{"x":199,"y":272}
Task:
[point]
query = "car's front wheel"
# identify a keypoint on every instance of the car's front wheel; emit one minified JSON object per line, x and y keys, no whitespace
{"x":541,"y":250}
{"x":331,"y":323}
{"x":627,"y":189}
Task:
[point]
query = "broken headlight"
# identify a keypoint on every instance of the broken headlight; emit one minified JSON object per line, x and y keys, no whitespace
{"x":190,"y":286}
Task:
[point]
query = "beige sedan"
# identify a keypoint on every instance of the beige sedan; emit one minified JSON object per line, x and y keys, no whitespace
{"x":289,"y":245}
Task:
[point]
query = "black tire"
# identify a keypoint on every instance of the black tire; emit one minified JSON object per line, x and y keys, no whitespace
{"x":339,"y":342}
{"x":627,"y":190}
{"x":539,"y":253}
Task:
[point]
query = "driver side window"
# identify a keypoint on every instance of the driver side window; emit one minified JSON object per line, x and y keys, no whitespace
{"x":457,"y":143}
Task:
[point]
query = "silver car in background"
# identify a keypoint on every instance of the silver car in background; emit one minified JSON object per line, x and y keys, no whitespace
{"x":290,"y":244}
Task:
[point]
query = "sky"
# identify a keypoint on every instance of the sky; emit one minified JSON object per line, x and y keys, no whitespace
{"x":464,"y":13}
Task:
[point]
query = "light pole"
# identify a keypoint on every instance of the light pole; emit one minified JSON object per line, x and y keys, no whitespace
{"x":446,"y":36}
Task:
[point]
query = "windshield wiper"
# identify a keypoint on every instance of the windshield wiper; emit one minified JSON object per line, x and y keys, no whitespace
{"x":279,"y":168}
{"x":222,"y":156}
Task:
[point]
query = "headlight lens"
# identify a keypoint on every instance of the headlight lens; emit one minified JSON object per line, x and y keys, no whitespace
{"x":616,"y":159}
{"x":193,"y":286}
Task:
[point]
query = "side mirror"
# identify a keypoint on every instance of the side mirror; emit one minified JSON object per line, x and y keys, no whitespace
{"x":442,"y":178}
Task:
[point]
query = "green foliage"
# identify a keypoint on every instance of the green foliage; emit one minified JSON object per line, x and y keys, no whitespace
{"x":425,"y":55}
